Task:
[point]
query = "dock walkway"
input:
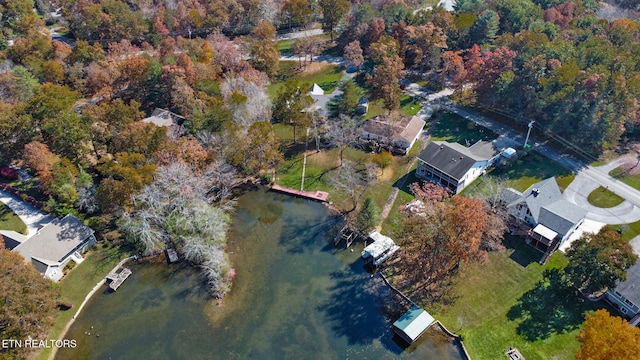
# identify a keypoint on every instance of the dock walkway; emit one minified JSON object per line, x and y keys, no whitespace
{"x":118,"y":278}
{"x":315,"y":195}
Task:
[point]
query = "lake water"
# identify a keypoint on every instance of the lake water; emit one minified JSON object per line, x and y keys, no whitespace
{"x":294,"y":297}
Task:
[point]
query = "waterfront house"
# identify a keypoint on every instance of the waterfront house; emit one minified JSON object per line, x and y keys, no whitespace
{"x":543,"y":215}
{"x":55,"y":244}
{"x":455,"y":166}
{"x":398,"y":137}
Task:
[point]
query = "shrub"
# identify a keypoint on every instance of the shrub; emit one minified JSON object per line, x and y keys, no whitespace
{"x":8,"y":172}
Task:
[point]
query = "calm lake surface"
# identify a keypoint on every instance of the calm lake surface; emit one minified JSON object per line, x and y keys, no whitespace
{"x":294,"y":297}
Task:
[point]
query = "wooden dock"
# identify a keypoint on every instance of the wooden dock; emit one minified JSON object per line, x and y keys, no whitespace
{"x":118,"y":278}
{"x":313,"y":195}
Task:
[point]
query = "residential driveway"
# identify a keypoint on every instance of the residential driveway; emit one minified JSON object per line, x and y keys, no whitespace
{"x":31,"y":216}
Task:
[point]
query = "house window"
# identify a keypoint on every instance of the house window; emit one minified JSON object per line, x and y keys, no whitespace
{"x":623,"y":310}
{"x":628,"y":302}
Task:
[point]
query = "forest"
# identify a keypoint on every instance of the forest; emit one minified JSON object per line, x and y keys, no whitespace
{"x":77,"y":78}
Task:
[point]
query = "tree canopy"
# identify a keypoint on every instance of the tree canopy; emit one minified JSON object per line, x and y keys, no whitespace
{"x":606,"y":337}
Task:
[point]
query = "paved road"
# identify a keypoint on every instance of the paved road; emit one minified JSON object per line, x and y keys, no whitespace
{"x":300,"y":34}
{"x":587,"y":176}
{"x":31,"y":216}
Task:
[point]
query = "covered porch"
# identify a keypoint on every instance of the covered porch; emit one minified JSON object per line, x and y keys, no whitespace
{"x":541,"y":238}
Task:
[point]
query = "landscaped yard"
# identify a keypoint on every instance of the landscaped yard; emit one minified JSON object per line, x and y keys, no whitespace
{"x":75,"y":286}
{"x":628,"y":231}
{"x":10,"y":221}
{"x":531,"y":169}
{"x":604,"y":198}
{"x":409,"y":106}
{"x":503,"y":303}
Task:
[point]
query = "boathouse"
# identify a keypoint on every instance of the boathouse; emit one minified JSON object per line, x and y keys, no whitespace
{"x":381,"y":249}
{"x":412,"y":324}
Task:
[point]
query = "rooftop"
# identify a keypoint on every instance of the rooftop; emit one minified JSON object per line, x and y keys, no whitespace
{"x":630,"y":288}
{"x":54,"y":241}
{"x":414,"y":322}
{"x":165,"y":118}
{"x":454,"y":159}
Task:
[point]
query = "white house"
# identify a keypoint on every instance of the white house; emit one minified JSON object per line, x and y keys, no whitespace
{"x":626,"y":296}
{"x":399,"y":136}
{"x":455,"y":166}
{"x":174,"y":123}
{"x":541,"y":207}
{"x":55,"y":244}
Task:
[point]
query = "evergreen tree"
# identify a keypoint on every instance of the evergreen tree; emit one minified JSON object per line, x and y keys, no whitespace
{"x":368,"y":216}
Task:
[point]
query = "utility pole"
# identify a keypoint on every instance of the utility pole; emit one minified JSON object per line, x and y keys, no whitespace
{"x":528,"y":133}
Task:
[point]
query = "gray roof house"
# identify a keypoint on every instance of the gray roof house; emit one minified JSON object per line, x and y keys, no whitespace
{"x":55,"y":244}
{"x":455,"y":166}
{"x":541,"y":207}
{"x":399,"y":136}
{"x":168,"y":119}
{"x":626,"y":296}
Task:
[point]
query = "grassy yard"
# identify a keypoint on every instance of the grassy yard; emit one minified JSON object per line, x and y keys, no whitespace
{"x":502,"y":303}
{"x":77,"y":284}
{"x":622,"y":175}
{"x":326,"y":76}
{"x":628,"y":231}
{"x":531,"y":169}
{"x":604,"y":198}
{"x":453,"y":128}
{"x":284,"y":46}
{"x":10,"y":221}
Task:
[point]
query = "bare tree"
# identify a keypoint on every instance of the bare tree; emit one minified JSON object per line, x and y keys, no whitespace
{"x":352,"y":180}
{"x":249,"y":102}
{"x":341,"y":133}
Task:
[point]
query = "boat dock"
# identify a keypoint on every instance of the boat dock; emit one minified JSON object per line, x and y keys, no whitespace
{"x":118,"y":278}
{"x":318,"y":195}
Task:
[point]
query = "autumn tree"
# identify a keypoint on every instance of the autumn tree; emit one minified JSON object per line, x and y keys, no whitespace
{"x":448,"y":234}
{"x":291,"y":104}
{"x":597,"y":261}
{"x":605,"y":337}
{"x":351,"y":180}
{"x":262,"y":48}
{"x":353,"y":54}
{"x":383,"y":160}
{"x":258,"y":151}
{"x":37,"y":157}
{"x":28,"y":302}
{"x":388,"y":69}
{"x":124,"y":176}
{"x":298,"y":11}
{"x":332,"y":12}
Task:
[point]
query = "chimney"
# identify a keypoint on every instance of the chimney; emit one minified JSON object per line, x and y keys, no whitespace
{"x":535,"y":192}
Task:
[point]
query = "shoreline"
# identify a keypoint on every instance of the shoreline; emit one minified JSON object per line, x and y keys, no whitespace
{"x":64,"y":331}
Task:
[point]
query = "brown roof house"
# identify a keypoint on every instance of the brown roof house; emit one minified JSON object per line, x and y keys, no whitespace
{"x":165,"y":118}
{"x":551,"y":219}
{"x":455,"y":166}
{"x":399,"y":136}
{"x":55,"y":244}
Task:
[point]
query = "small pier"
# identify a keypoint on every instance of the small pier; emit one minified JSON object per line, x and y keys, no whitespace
{"x":321,"y":196}
{"x":118,"y":278}
{"x":346,"y":234}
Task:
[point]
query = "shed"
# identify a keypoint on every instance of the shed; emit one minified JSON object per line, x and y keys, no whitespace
{"x":316,"y":90}
{"x":412,"y":324}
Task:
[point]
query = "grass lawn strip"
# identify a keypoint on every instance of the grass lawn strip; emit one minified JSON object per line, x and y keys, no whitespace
{"x":10,"y":221}
{"x":604,"y":198}
{"x":622,"y":175}
{"x":628,"y":231}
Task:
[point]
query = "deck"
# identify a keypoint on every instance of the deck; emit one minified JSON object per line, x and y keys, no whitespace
{"x":118,"y":278}
{"x":318,"y":195}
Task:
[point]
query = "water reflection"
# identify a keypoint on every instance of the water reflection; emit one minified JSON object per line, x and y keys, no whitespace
{"x":294,"y":297}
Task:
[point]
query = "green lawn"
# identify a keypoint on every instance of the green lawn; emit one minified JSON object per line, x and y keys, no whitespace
{"x":502,"y":303}
{"x":327,"y":76}
{"x":284,"y":46}
{"x":604,"y":198}
{"x":453,"y":128}
{"x":76,"y":285}
{"x":10,"y":221}
{"x":531,"y":169}
{"x":628,"y":231}
{"x":622,"y":175}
